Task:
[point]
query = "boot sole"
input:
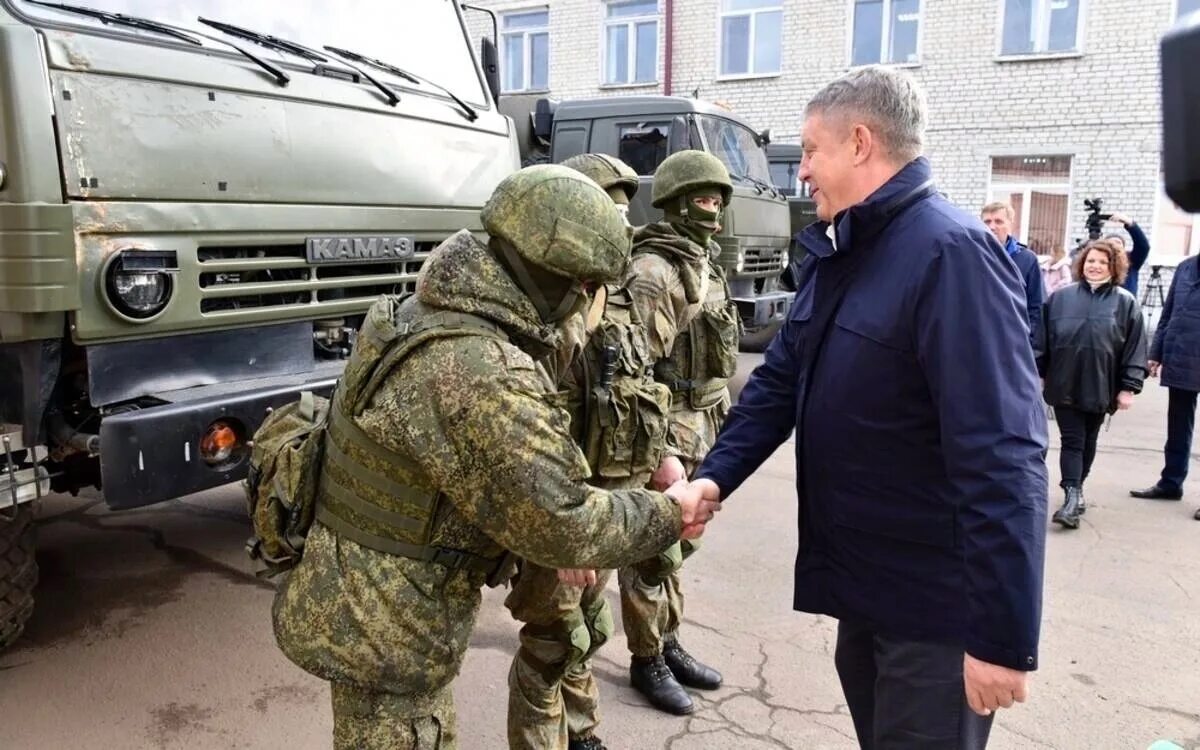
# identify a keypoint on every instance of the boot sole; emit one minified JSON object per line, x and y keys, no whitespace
{"x":1065,"y":523}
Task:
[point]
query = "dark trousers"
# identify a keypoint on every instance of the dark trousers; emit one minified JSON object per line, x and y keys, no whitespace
{"x":1181,"y":418}
{"x":906,"y":695}
{"x":1079,"y":431}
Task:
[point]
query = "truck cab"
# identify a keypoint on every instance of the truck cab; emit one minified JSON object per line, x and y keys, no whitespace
{"x":644,"y":130}
{"x":198,"y":203}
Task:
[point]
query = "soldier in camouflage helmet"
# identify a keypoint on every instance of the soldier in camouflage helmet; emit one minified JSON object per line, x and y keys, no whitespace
{"x":619,"y":418}
{"x":444,"y":449}
{"x":692,"y":329}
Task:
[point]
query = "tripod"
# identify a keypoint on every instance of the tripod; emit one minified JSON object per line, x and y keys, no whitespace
{"x":1154,"y":298}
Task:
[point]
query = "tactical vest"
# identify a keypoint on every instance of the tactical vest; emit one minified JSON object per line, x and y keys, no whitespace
{"x":619,"y":414}
{"x":369,"y":494}
{"x":704,"y":355}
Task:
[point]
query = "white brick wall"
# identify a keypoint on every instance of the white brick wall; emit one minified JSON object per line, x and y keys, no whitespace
{"x":1101,"y":107}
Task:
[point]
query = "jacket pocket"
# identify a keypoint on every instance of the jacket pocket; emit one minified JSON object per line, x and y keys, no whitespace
{"x":720,"y":327}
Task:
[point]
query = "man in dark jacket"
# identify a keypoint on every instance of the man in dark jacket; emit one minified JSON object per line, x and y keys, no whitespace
{"x":905,"y":369}
{"x":1176,"y":354}
{"x":999,"y":218}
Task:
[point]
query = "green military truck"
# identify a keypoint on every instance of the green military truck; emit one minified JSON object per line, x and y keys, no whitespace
{"x":784,"y":160}
{"x":644,"y":130}
{"x":198,"y":202}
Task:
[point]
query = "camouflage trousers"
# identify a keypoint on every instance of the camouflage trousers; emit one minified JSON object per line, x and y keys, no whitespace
{"x":552,"y":694}
{"x":369,"y":720}
{"x":652,"y":599}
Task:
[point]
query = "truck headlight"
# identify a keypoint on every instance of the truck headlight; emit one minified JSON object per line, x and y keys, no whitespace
{"x":138,"y":283}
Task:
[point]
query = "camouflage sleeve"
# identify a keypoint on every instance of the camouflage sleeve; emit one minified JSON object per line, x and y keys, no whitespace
{"x":505,"y":458}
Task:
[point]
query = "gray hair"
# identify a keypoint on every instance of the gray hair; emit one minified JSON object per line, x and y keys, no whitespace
{"x":886,"y":100}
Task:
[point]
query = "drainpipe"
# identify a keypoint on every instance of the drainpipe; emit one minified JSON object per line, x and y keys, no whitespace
{"x":669,"y":45}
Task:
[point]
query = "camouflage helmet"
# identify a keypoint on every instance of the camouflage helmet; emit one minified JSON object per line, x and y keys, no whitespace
{"x":560,"y":221}
{"x":606,"y":171}
{"x":685,"y":172}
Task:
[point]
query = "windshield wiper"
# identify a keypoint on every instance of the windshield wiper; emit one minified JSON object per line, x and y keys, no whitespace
{"x":145,"y":24}
{"x":346,"y":54}
{"x":120,"y":19}
{"x":284,"y":45}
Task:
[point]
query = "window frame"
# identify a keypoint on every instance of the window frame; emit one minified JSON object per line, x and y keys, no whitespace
{"x":886,"y":40}
{"x":753,"y":13}
{"x":631,"y":23}
{"x":526,"y":49}
{"x":1080,"y":36}
{"x":1175,"y":16}
{"x":1026,"y":188}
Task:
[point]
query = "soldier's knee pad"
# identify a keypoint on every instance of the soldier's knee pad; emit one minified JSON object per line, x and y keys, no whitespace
{"x":659,"y":568}
{"x":599,"y":620}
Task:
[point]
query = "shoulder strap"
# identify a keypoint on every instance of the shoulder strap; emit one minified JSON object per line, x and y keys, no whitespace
{"x":414,"y":333}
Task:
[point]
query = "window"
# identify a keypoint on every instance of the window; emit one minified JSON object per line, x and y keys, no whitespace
{"x":737,"y":148}
{"x":644,"y":146}
{"x":1176,"y":233}
{"x":1186,"y":7}
{"x":525,"y":38}
{"x":751,"y":37}
{"x":885,"y":31}
{"x":631,"y":42}
{"x":1039,"y":189}
{"x":785,"y":175}
{"x":1040,"y":26}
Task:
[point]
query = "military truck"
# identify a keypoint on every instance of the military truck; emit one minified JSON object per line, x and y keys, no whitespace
{"x":198,"y":202}
{"x":784,"y":160}
{"x":644,"y":130}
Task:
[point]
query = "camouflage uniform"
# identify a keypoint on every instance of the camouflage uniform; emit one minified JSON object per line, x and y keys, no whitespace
{"x":619,"y":417}
{"x":465,"y":455}
{"x":693,"y":329}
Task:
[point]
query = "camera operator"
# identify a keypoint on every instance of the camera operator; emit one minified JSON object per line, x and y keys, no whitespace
{"x":1137,"y":255}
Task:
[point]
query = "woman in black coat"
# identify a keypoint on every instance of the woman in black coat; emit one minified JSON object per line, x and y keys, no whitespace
{"x":1091,"y":355}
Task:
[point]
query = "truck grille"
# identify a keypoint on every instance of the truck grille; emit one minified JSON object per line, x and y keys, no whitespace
{"x":764,"y":259}
{"x":275,"y":276}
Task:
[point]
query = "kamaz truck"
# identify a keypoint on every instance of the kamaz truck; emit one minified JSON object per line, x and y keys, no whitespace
{"x":644,"y":130}
{"x":198,"y":202}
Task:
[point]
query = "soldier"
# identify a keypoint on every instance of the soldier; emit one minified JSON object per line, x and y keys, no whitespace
{"x":619,"y":417}
{"x":443,"y":451}
{"x":692,"y":329}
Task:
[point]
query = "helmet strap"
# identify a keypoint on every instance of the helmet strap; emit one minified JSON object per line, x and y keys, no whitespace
{"x":535,"y":291}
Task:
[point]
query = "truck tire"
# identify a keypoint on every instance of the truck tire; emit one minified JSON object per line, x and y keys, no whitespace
{"x":756,"y":339}
{"x":18,"y":572}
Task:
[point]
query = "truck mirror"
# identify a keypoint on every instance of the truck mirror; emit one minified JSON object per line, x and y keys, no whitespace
{"x":764,"y":137}
{"x":678,"y":139}
{"x":491,"y":66}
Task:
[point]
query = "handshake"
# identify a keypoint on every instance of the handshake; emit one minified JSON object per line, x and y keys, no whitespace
{"x":699,"y":500}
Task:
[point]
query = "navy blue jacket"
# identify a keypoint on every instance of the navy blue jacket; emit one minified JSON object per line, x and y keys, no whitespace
{"x":1031,"y":273}
{"x":1177,"y":338}
{"x":920,"y":435}
{"x":1137,"y":256}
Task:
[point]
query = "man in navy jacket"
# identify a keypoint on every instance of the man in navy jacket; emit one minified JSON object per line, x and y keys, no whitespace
{"x":905,"y":369}
{"x":999,"y":218}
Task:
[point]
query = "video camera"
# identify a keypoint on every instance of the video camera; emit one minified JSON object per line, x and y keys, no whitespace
{"x":1095,"y":218}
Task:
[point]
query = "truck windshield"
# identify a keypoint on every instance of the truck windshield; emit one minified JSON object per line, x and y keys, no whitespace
{"x":736,"y":147}
{"x":785,"y":175}
{"x":422,"y":36}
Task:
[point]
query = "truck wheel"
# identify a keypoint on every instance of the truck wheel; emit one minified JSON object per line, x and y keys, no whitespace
{"x":757,"y":339}
{"x":18,"y":572}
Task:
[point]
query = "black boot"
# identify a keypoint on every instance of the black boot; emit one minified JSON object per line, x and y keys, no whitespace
{"x":586,"y":743}
{"x":1068,"y":515}
{"x":1082,"y":501}
{"x":687,"y":670}
{"x":652,"y":678}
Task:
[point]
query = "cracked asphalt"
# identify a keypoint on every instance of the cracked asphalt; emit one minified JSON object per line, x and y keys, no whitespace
{"x":152,"y":631}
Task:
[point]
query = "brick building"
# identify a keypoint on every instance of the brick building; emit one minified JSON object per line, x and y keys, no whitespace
{"x":1041,"y":102}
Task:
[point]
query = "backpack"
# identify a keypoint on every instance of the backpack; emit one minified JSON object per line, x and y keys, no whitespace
{"x":281,"y":486}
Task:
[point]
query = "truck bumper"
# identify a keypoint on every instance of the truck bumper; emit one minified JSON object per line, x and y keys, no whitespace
{"x":765,"y":309}
{"x":151,"y":455}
